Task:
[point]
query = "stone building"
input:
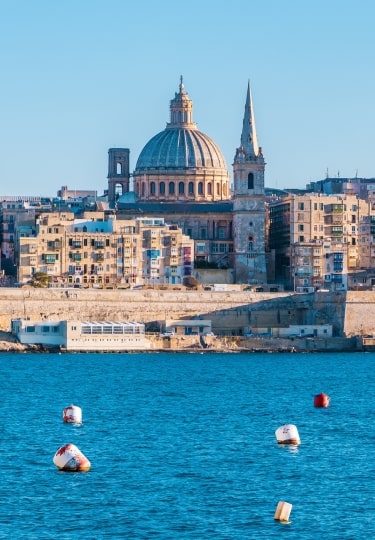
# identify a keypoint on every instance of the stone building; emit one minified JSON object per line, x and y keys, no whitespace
{"x":319,"y":240}
{"x":182,"y":176}
{"x":103,"y":251}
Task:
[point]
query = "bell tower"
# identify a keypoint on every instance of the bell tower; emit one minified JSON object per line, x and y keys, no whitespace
{"x":249,"y":203}
{"x":118,"y":173}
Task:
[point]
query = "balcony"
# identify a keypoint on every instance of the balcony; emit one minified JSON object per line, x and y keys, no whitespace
{"x":49,"y":259}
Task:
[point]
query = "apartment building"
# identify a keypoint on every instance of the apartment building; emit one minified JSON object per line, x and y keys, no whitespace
{"x":319,"y":239}
{"x":102,"y":251}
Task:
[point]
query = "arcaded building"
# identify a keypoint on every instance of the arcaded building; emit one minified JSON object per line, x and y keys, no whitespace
{"x":181,"y":175}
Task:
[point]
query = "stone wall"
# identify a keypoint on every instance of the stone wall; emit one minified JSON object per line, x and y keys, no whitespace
{"x":231,"y":313}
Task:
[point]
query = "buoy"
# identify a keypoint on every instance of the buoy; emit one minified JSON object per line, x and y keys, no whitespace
{"x":321,"y":400}
{"x":70,"y":458}
{"x":287,"y":434}
{"x":72,"y":414}
{"x":283,"y":511}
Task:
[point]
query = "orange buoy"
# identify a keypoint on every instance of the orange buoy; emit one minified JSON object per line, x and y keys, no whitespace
{"x":283,"y":511}
{"x":287,"y":434}
{"x":70,"y":458}
{"x":321,"y":400}
{"x":72,"y":414}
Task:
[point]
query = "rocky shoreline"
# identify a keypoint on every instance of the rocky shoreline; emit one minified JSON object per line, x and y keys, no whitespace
{"x":9,"y":343}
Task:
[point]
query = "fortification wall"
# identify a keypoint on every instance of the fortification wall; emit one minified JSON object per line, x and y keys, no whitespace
{"x":350,"y":313}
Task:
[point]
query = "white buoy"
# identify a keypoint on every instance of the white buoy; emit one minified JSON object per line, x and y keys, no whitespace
{"x":287,"y":434}
{"x":283,"y":511}
{"x":72,"y":414}
{"x":70,"y":458}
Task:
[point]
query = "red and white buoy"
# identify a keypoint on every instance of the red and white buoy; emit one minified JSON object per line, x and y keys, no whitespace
{"x":287,"y":434}
{"x":321,"y":400}
{"x":72,"y":414}
{"x":70,"y":458}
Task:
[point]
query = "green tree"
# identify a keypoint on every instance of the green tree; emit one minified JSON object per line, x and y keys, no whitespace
{"x":40,"y":279}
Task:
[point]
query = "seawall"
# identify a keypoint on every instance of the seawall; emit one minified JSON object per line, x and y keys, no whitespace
{"x":231,"y":313}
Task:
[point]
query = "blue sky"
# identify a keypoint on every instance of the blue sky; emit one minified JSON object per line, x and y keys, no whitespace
{"x":80,"y":76}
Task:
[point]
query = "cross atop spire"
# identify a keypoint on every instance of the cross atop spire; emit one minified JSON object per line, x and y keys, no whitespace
{"x":182,"y":88}
{"x":249,"y":140}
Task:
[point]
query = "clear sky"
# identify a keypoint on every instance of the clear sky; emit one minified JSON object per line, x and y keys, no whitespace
{"x":80,"y":76}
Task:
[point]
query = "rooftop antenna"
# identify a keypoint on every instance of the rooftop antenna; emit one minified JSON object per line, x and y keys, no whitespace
{"x":327,"y":173}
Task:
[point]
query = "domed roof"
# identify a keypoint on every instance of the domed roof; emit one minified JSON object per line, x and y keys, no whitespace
{"x":180,"y":148}
{"x":181,"y":145}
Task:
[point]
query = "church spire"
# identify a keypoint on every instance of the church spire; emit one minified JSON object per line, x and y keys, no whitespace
{"x":249,"y":140}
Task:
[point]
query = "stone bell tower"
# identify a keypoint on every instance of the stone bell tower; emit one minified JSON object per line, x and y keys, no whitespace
{"x":249,"y":203}
{"x":118,"y":173}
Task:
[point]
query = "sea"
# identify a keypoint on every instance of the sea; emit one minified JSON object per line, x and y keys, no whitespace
{"x":183,"y":446}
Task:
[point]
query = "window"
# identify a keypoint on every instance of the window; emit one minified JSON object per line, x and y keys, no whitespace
{"x":162,"y":188}
{"x":191,"y":188}
{"x":301,"y":206}
{"x":251,"y":244}
{"x":301,"y":239}
{"x":152,"y":188}
{"x":250,"y":181}
{"x":300,"y":228}
{"x":181,"y":188}
{"x":171,"y":188}
{"x":209,"y":188}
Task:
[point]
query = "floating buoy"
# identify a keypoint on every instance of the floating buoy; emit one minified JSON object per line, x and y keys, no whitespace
{"x":321,"y":400}
{"x":283,"y":511}
{"x":72,"y":414}
{"x":287,"y":434}
{"x":70,"y":458}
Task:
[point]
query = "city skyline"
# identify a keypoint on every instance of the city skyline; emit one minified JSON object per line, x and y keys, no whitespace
{"x":79,"y":79}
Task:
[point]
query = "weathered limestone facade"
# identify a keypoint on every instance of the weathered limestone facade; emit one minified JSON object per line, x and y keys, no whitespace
{"x":249,"y":204}
{"x":231,"y":313}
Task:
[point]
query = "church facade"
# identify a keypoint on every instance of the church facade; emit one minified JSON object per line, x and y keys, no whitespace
{"x":181,"y":175}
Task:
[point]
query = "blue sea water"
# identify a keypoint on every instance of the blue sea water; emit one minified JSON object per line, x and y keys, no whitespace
{"x":182,"y":446}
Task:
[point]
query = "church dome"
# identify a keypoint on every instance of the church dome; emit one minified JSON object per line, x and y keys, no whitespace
{"x":180,"y":148}
{"x":181,"y":162}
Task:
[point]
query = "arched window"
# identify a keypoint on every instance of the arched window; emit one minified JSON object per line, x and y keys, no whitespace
{"x":250,"y":181}
{"x":118,"y":168}
{"x":143,"y":189}
{"x":251,"y":244}
{"x":224,"y":190}
{"x":152,"y":188}
{"x":200,"y":188}
{"x":162,"y":188}
{"x":191,"y":188}
{"x":181,"y":188}
{"x":209,"y":188}
{"x":217,"y":189}
{"x":171,"y":188}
